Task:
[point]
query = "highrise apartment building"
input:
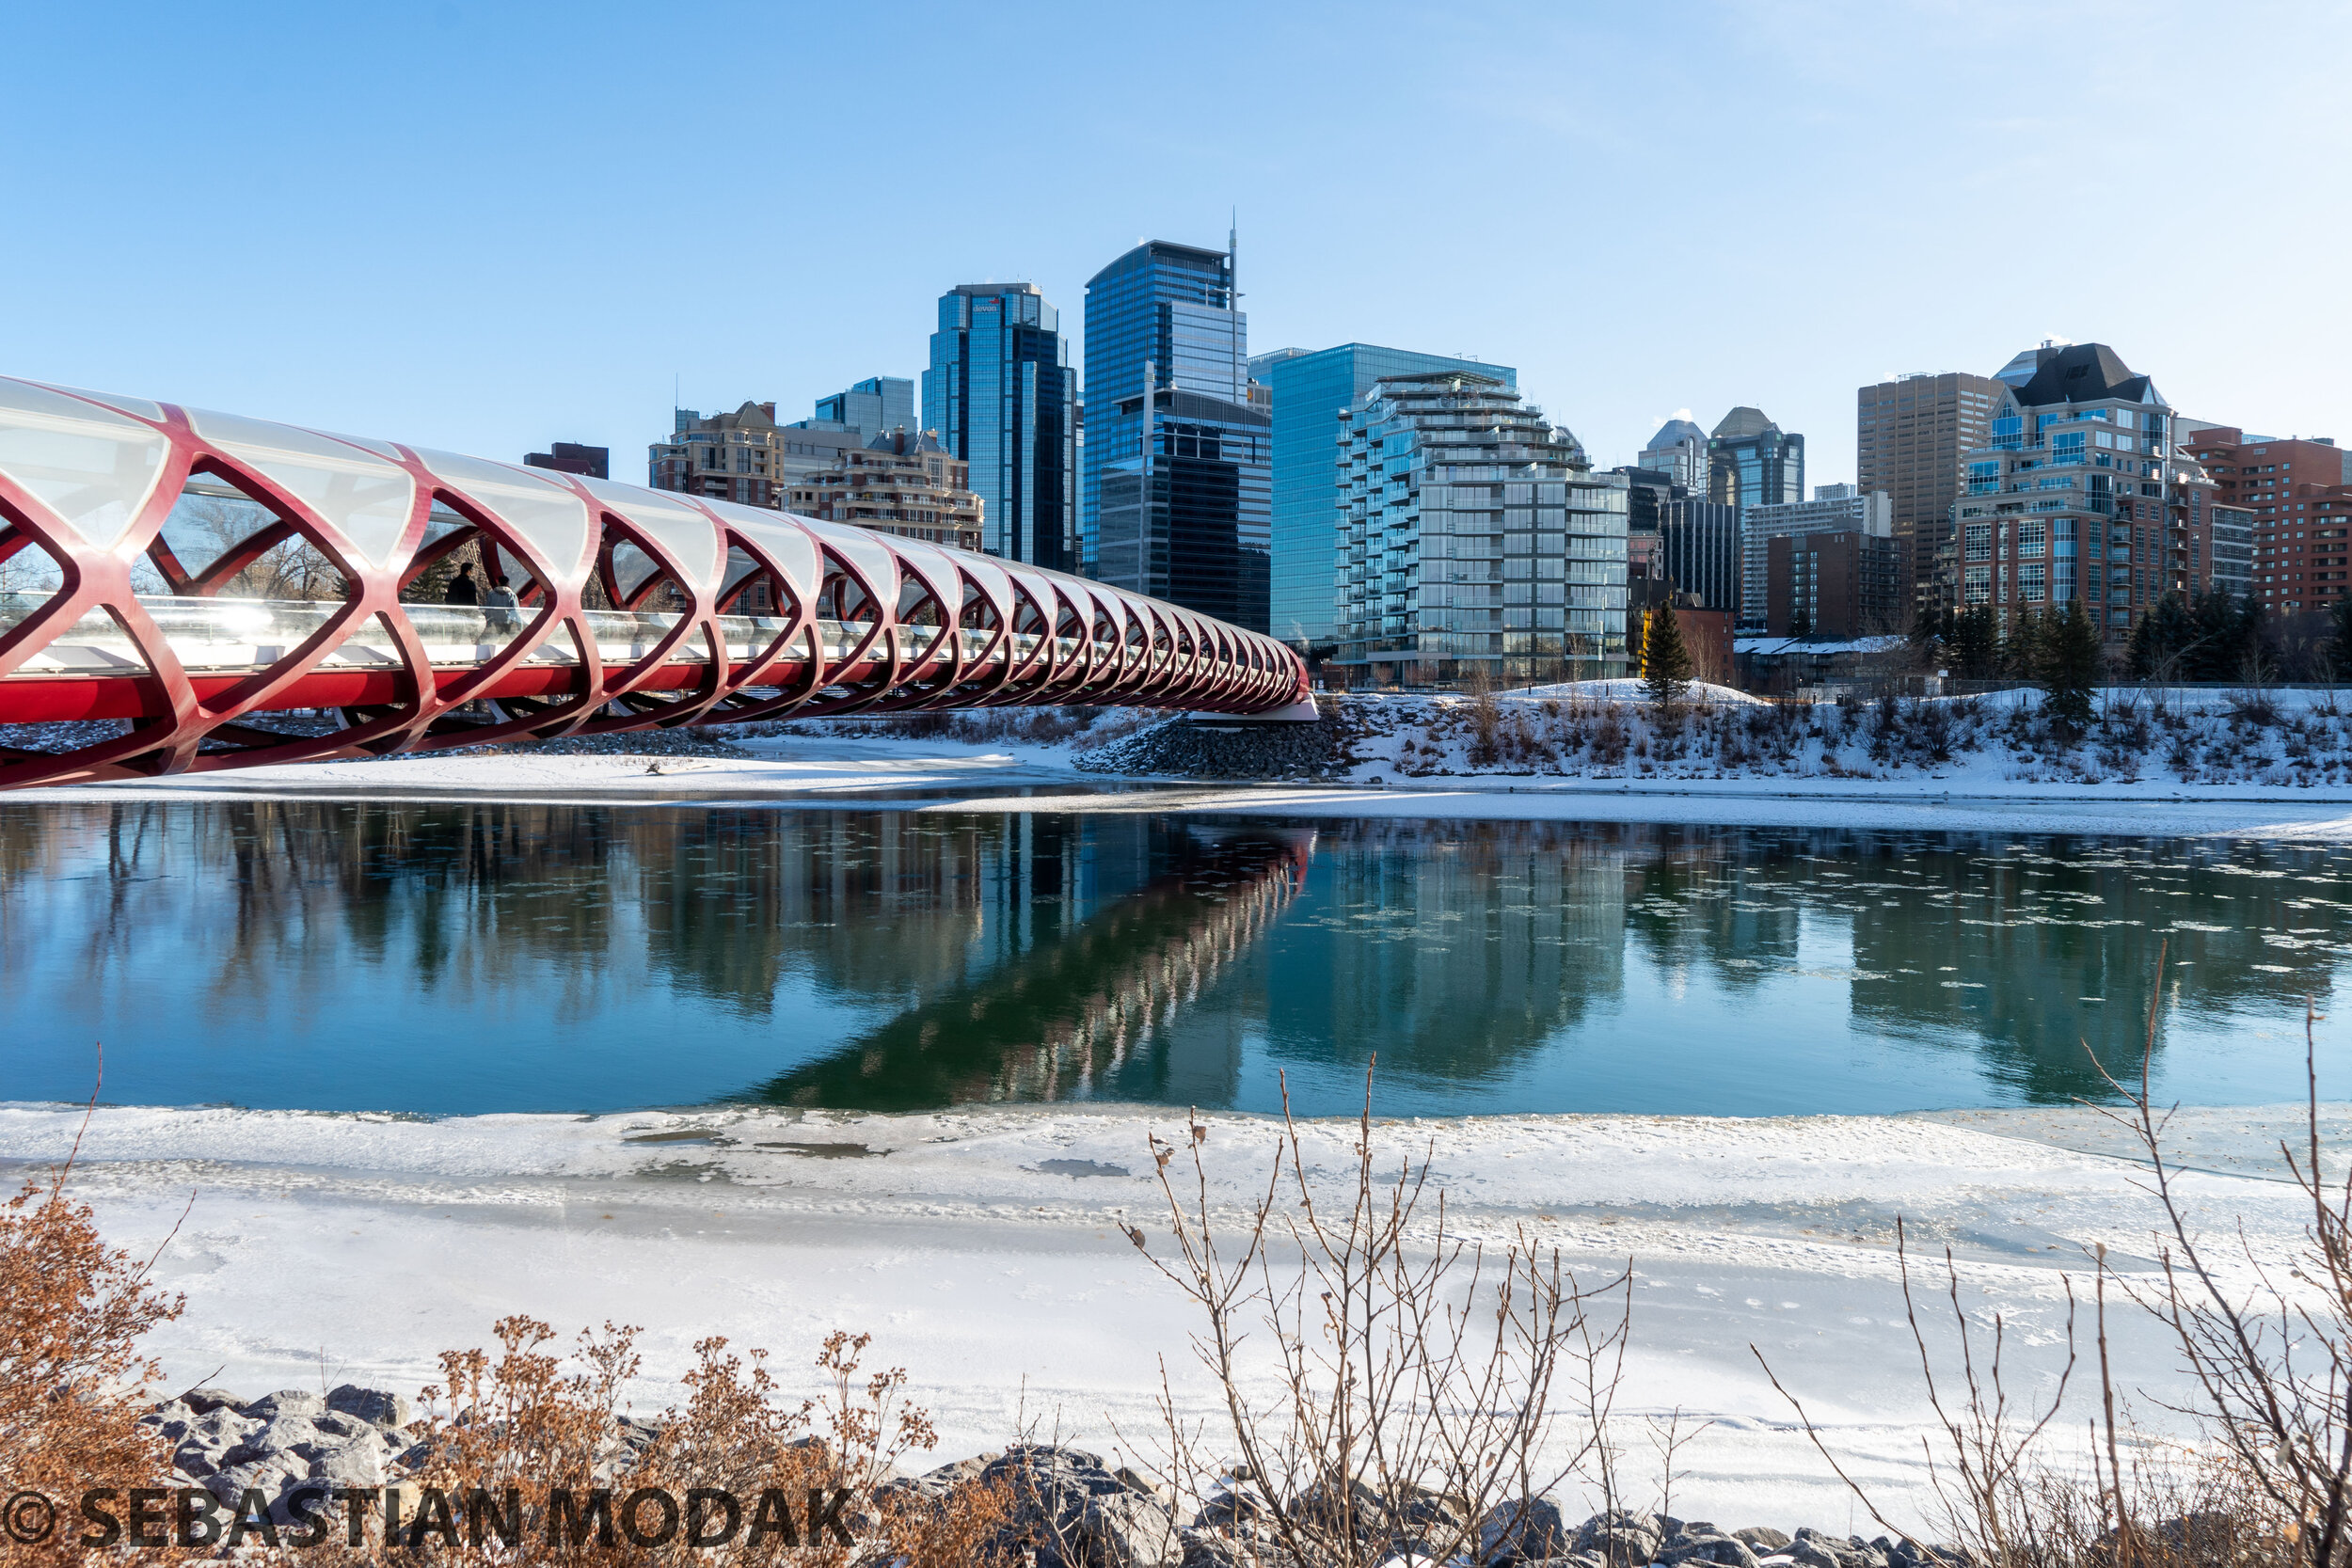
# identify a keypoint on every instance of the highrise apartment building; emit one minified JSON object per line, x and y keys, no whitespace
{"x":734,"y":457}
{"x":871,"y":407}
{"x":2294,"y":498}
{"x":1176,"y":499}
{"x":1839,"y":584}
{"x":1002,"y":397}
{"x":902,"y":482}
{"x":1308,"y":392}
{"x":1752,"y":462}
{"x":1909,"y":436}
{"x":744,"y":457}
{"x":1475,"y":535}
{"x":1678,"y":450}
{"x":2074,"y":496}
{"x":1834,"y":509}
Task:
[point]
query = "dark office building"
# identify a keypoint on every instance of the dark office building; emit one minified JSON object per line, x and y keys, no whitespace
{"x":1177,"y":500}
{"x":570,"y":457}
{"x":1699,"y":549}
{"x":1001,"y":393}
{"x":1189,"y":524}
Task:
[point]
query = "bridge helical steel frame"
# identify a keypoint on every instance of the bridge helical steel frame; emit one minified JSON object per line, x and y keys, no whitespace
{"x":863,"y":621}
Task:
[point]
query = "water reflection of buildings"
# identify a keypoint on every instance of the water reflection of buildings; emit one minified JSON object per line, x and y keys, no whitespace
{"x":1098,"y":1012}
{"x":1452,"y":949}
{"x":1010,"y":955}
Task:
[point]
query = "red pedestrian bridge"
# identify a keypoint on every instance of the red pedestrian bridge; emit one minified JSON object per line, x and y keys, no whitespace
{"x":181,"y":576}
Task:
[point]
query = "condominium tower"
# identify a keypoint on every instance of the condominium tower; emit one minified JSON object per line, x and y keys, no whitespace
{"x":2072,"y":494}
{"x":1475,"y":536}
{"x":1003,"y":399}
{"x":1309,"y":392}
{"x":1834,"y":509}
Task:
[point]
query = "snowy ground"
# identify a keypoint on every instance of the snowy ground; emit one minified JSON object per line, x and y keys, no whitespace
{"x":949,"y":775}
{"x":984,"y":1250}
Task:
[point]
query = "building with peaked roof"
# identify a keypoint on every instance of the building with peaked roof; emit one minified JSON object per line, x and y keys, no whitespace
{"x":1476,"y":537}
{"x":1753,"y":462}
{"x":1678,"y":450}
{"x":736,"y":457}
{"x":902,"y":482}
{"x":2074,"y":495}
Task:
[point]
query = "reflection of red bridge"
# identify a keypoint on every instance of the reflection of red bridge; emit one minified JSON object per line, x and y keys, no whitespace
{"x":134,"y":535}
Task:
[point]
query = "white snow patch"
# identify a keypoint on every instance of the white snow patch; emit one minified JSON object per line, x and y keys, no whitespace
{"x":358,"y":1246}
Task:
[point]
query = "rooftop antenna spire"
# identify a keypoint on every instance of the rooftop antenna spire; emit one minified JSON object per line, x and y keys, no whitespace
{"x":1233,"y":298}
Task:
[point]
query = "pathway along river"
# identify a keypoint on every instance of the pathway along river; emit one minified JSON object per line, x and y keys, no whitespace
{"x":447,"y":958}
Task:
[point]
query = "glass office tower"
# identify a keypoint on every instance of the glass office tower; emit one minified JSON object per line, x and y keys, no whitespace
{"x":1753,"y":462}
{"x":1176,"y":498}
{"x":1001,"y":393}
{"x":1310,"y":390}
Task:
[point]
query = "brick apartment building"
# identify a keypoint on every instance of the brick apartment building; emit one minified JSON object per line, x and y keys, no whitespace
{"x":2297,"y":494}
{"x":1833,"y":585}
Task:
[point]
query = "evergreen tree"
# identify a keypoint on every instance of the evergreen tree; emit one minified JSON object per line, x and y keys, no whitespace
{"x":2164,"y":640}
{"x":2023,"y":650}
{"x":2070,"y":670}
{"x":2340,"y":642}
{"x":1665,"y":658}
{"x":2227,"y":630}
{"x":1976,"y":643}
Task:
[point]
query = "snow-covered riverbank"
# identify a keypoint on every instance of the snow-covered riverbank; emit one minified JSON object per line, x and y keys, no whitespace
{"x":984,"y":1249}
{"x":2275,"y":764}
{"x":947,"y":776}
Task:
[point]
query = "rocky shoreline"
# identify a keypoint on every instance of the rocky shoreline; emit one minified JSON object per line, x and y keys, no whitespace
{"x":291,"y":1450}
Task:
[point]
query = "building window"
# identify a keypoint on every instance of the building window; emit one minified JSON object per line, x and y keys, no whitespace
{"x":2032,"y":582}
{"x":2031,"y":536}
{"x":1979,"y":540}
{"x":1978,"y":581}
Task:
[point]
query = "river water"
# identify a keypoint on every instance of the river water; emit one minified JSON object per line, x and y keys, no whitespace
{"x":462,"y":958}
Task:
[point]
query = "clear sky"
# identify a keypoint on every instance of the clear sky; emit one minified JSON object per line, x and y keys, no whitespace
{"x":490,"y":227}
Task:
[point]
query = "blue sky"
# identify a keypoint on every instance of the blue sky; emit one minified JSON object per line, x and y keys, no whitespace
{"x":490,"y":227}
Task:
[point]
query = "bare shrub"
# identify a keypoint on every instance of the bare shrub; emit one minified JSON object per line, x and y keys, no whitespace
{"x":524,"y":1424}
{"x":73,"y":1383}
{"x":1416,"y":1368}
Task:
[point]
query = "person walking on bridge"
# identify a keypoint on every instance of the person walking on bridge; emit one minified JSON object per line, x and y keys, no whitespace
{"x":503,"y":610}
{"x":462,"y":588}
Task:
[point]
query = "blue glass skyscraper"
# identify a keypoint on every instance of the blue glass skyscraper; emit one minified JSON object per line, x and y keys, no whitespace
{"x":1177,"y":462}
{"x":1001,"y":393}
{"x":1310,"y":391}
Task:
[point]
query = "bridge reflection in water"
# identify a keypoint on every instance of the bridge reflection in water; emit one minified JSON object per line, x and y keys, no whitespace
{"x":506,"y":956}
{"x":1062,"y":1019}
